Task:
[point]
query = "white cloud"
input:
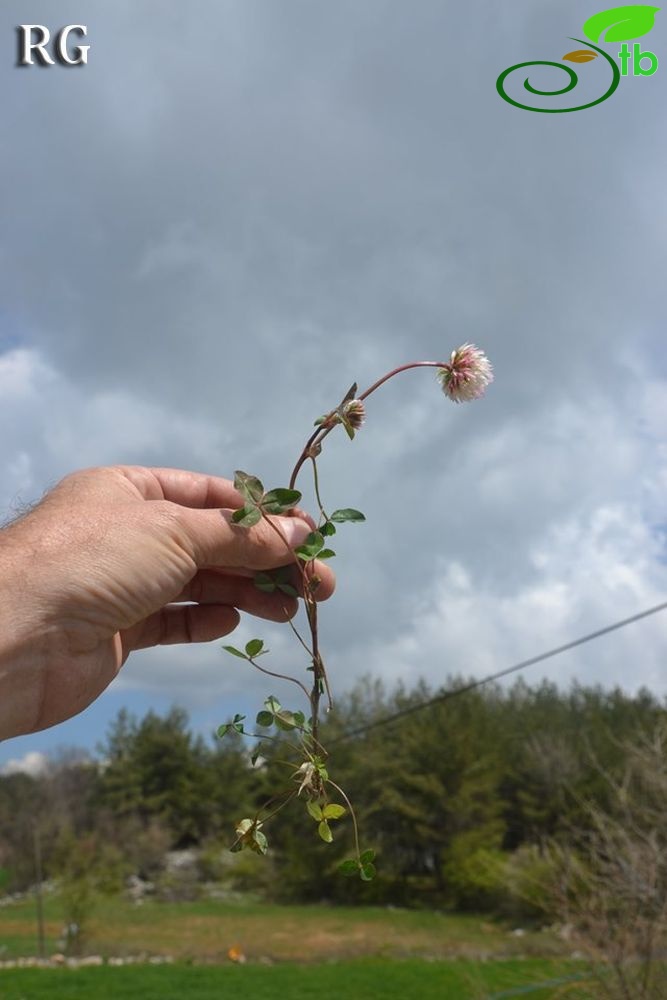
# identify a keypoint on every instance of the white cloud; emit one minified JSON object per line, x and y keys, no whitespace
{"x":33,"y":763}
{"x":21,"y":371}
{"x":585,"y":574}
{"x":59,"y":426}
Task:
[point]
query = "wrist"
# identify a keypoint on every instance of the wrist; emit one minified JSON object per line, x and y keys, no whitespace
{"x":21,"y":641}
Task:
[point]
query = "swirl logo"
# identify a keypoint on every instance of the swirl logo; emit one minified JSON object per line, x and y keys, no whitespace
{"x":618,"y":24}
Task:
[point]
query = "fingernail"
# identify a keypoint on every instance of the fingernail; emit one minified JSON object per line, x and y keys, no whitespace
{"x":294,"y":530}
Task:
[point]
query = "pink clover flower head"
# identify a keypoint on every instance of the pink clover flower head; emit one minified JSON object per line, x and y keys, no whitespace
{"x":466,"y":375}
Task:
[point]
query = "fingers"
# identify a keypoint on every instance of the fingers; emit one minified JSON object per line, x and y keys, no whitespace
{"x":218,"y":595}
{"x":211,"y":587}
{"x":304,"y":515}
{"x":179,"y":624}
{"x":215,"y":586}
{"x":189,"y":489}
{"x":203,"y":505}
{"x":215,"y":540}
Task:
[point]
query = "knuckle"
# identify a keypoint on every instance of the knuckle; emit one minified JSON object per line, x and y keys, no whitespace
{"x":259,"y":546}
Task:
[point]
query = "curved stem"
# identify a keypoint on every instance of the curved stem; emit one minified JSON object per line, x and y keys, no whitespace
{"x":273,"y":739}
{"x":315,"y":438}
{"x":310,"y":449}
{"x":323,"y":430}
{"x":289,"y":796}
{"x":397,"y":371}
{"x":316,"y":483}
{"x":282,"y":677}
{"x":354,"y":818}
{"x":298,"y":562}
{"x":319,"y":673}
{"x":297,"y":634}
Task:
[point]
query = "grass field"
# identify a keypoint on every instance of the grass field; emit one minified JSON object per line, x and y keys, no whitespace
{"x":367,"y":979}
{"x":205,"y":931}
{"x":292,"y":952}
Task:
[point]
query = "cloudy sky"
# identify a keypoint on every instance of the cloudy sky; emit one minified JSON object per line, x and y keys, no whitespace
{"x":238,"y":207}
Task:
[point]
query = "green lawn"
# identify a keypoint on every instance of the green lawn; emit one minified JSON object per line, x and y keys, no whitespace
{"x":368,"y":979}
{"x":295,"y":952}
{"x":206,"y":931}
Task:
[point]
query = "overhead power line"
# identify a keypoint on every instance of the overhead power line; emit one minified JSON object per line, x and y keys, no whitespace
{"x":471,"y":685}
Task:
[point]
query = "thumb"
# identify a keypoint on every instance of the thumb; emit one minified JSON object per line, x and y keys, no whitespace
{"x":217,"y":541}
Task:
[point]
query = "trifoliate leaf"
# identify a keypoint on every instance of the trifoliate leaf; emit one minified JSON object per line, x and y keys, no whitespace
{"x":237,"y":723}
{"x":249,"y":835}
{"x":313,"y":544}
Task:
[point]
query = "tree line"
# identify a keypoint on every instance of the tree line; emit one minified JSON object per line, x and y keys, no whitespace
{"x":452,"y":797}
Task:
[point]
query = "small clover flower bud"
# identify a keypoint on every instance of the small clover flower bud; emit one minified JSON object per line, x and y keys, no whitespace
{"x":354,"y":413}
{"x":306,"y":772}
{"x":466,"y":375}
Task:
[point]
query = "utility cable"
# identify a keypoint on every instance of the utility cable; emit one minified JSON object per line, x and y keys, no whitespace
{"x":465,"y":688}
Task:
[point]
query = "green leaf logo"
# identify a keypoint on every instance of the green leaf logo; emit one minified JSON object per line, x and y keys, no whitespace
{"x":620,"y":23}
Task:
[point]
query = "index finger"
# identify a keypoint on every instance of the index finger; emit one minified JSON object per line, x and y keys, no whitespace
{"x":192,"y":489}
{"x":189,"y":489}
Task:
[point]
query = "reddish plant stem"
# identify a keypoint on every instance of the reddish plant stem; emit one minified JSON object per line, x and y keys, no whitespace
{"x":332,"y":420}
{"x":311,"y":611}
{"x":310,"y":450}
{"x":282,"y":677}
{"x":319,"y":673}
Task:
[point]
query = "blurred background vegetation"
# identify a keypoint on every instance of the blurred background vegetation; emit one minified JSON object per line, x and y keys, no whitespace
{"x":460,"y":800}
{"x":531,"y":806}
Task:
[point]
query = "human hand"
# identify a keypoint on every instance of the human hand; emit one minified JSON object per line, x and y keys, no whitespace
{"x":101,"y":567}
